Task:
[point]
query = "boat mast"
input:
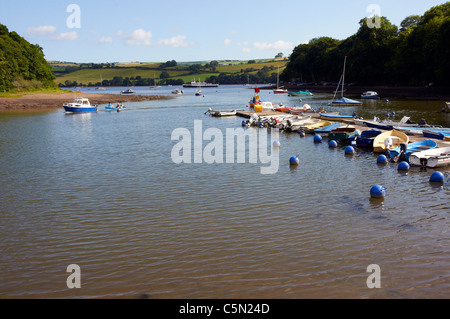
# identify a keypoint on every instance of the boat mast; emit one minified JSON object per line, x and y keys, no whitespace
{"x":343,"y":77}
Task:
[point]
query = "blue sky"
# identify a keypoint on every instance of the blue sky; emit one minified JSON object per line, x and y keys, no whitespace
{"x":188,"y":30}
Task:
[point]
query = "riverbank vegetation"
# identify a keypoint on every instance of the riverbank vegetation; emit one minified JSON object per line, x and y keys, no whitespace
{"x":414,"y":54}
{"x":22,"y":64}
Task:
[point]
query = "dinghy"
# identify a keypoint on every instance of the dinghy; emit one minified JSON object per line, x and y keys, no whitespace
{"x":434,"y":158}
{"x":414,"y":148}
{"x":389,"y":140}
{"x":222,"y":113}
{"x":343,"y":134}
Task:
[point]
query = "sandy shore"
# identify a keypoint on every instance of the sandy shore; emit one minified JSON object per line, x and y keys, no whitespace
{"x":53,"y":101}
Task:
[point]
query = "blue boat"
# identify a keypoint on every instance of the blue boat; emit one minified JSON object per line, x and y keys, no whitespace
{"x":80,"y":105}
{"x":415,"y":147}
{"x":343,"y":101}
{"x":327,"y":129}
{"x":437,"y":135}
{"x":329,"y":117}
{"x":367,"y":137}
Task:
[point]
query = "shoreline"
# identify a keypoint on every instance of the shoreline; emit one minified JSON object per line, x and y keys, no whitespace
{"x":386,"y":92}
{"x":44,"y":101}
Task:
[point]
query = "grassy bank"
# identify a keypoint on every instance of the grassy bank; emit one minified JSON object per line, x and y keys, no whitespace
{"x":16,"y":93}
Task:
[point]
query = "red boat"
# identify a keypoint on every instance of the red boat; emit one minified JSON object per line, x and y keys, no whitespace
{"x":294,"y":110}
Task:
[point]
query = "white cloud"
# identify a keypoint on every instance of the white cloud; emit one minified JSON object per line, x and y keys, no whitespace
{"x":246,"y":50}
{"x":139,"y":37}
{"x":175,"y":42}
{"x":68,"y":36}
{"x":279,"y":45}
{"x":105,"y":40}
{"x":227,"y":42}
{"x":42,"y":30}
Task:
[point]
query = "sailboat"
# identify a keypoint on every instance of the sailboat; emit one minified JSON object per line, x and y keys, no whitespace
{"x":343,"y":101}
{"x":100,"y":88}
{"x":155,"y":86}
{"x":279,"y":90}
{"x":199,"y":92}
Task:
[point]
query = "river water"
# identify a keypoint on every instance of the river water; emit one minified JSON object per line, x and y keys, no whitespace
{"x":102,"y":191}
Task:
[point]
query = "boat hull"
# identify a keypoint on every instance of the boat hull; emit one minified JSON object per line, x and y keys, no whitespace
{"x":336,"y":117}
{"x":71,"y":109}
{"x":435,"y":158}
{"x":397,"y":138}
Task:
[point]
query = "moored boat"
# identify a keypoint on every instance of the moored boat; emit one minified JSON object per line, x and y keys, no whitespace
{"x":434,"y":158}
{"x":439,"y":134}
{"x":343,"y":101}
{"x":128,"y":92}
{"x":367,"y":138}
{"x":370,"y":95}
{"x":312,"y":127}
{"x":342,"y":134}
{"x":80,"y":105}
{"x":294,"y":110}
{"x":447,"y":107}
{"x":177,"y":92}
{"x":331,"y":117}
{"x":327,"y":129}
{"x":224,"y":113}
{"x":415,"y":147}
{"x":389,"y":140}
{"x":300,"y":93}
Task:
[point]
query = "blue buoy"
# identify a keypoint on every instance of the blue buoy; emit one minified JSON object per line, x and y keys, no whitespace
{"x":317,"y":139}
{"x":294,"y":161}
{"x":378,"y":191}
{"x":276,"y":144}
{"x":302,"y":134}
{"x":437,"y":177}
{"x":333,"y":144}
{"x":403,"y":166}
{"x":244,"y":123}
{"x":382,"y":159}
{"x":349,"y":150}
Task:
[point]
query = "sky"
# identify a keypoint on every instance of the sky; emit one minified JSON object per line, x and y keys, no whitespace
{"x":99,"y":31}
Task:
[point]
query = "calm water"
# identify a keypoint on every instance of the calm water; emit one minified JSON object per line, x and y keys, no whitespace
{"x":101,"y":191}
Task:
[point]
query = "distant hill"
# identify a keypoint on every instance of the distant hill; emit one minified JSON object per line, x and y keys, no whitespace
{"x":70,"y":74}
{"x":22,"y":64}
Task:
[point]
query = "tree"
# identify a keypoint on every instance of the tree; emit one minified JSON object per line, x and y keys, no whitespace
{"x":279,"y":55}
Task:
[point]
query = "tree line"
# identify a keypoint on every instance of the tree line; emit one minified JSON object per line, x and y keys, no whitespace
{"x":22,"y":64}
{"x":414,"y":54}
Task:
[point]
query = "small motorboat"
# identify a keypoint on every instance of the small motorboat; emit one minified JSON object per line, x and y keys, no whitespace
{"x":280,"y":91}
{"x":118,"y":108}
{"x":436,"y":157}
{"x":342,"y":134}
{"x":177,"y":92}
{"x":300,"y":93}
{"x":389,"y":140}
{"x":327,"y":129}
{"x":222,"y":113}
{"x":128,"y":92}
{"x":370,"y":95}
{"x":80,"y":105}
{"x":414,"y":148}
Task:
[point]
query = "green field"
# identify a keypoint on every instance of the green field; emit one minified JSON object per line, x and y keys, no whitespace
{"x":151,"y":70}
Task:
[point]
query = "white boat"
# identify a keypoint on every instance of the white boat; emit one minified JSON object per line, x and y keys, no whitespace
{"x":100,"y":88}
{"x":370,"y":95}
{"x":437,"y":157}
{"x":127,"y":92}
{"x":222,"y":113}
{"x":177,"y":91}
{"x":199,"y":84}
{"x":80,"y":105}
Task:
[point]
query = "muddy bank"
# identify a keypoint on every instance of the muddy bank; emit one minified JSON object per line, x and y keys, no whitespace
{"x":54,"y":101}
{"x":386,"y":92}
